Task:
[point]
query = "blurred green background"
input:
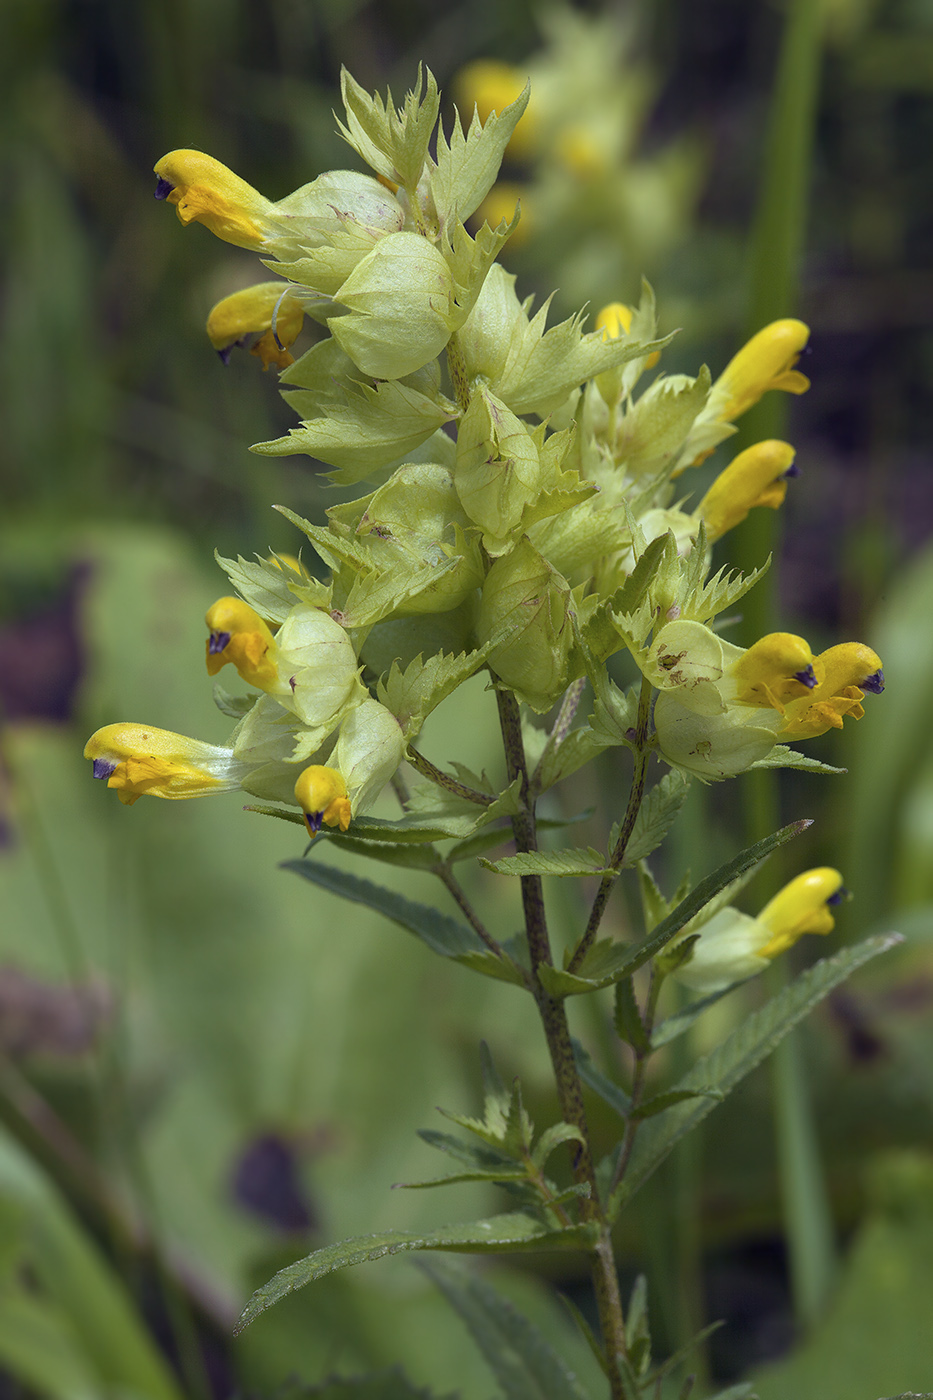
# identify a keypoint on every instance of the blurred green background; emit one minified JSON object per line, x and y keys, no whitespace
{"x":202,"y":1073}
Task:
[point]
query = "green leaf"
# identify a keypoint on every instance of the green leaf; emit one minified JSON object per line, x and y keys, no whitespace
{"x":637,"y":1329}
{"x":745,"y":1048}
{"x":609,"y":962}
{"x":467,"y":166}
{"x":408,"y":854}
{"x":442,"y":934}
{"x":627,"y":1016}
{"x":551,"y":1139}
{"x":523,"y":1362}
{"x":653,"y":1106}
{"x":412,"y":694}
{"x":483,"y":1159}
{"x":657,"y":814}
{"x":566,"y":862}
{"x":681,"y":1021}
{"x":783,"y":757}
{"x":606,"y":1089}
{"x":503,"y":1234}
{"x":391,"y":1384}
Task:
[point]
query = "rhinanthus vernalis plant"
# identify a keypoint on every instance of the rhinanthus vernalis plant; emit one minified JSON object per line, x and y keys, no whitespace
{"x":528,"y":516}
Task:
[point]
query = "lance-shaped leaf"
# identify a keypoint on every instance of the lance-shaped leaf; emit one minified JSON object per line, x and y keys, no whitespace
{"x":656,"y":815}
{"x":744,"y":1049}
{"x":503,"y":1234}
{"x":368,"y":429}
{"x":566,"y":862}
{"x":606,"y":1089}
{"x":783,"y":757}
{"x":609,"y":962}
{"x":466,"y":167}
{"x":519,"y":1356}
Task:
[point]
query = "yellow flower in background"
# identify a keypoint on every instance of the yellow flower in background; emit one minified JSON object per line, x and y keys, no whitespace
{"x":757,"y":477}
{"x":138,"y":760}
{"x":239,"y":635}
{"x":321,"y":793}
{"x":733,"y":946}
{"x":266,"y":309}
{"x":205,"y":191}
{"x":766,"y":362}
{"x":491,"y":86}
{"x":499,"y":208}
{"x":615,"y":322}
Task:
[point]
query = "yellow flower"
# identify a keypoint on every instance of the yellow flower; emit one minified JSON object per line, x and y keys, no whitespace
{"x":766,"y":362}
{"x":239,"y":635}
{"x":757,"y":477}
{"x":775,"y":670}
{"x":205,"y":191}
{"x":615,"y":322}
{"x":733,"y":946}
{"x":492,"y":86}
{"x":321,"y":793}
{"x":137,"y":759}
{"x":267,"y":308}
{"x":844,"y":673}
{"x":803,"y":906}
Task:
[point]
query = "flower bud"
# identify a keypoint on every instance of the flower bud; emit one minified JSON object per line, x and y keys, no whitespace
{"x":369,"y":749}
{"x":398,"y":300}
{"x":522,"y":590}
{"x":137,"y":759}
{"x":206,"y":192}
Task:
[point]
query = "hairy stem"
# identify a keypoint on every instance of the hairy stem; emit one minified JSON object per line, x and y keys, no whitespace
{"x":635,"y":797}
{"x":557,"y":1033}
{"x":428,"y":770}
{"x":452,"y":885}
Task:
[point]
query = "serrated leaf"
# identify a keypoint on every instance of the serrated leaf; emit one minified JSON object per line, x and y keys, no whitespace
{"x":442,"y":934}
{"x":637,"y":1330}
{"x":742,"y":1052}
{"x":523,"y":1362}
{"x":783,"y":757}
{"x":370,"y":428}
{"x":406,"y":854}
{"x":627,"y":1016}
{"x":681,"y":1021}
{"x":273,"y":590}
{"x":511,"y":1173}
{"x":476,"y":1158}
{"x":661,"y":1102}
{"x":412,"y":694}
{"x":503,"y":1234}
{"x":608,"y":962}
{"x":659,"y":810}
{"x":654,"y":906}
{"x":566,"y":862}
{"x":611,"y":1093}
{"x":466,"y":167}
{"x":230,"y":704}
{"x":551,"y":1139}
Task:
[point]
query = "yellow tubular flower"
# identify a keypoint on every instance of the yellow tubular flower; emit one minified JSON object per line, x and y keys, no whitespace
{"x":615,"y":321}
{"x":239,"y":635}
{"x":267,"y":308}
{"x":845,"y":672}
{"x":776,"y":670}
{"x":137,"y":759}
{"x":803,"y":906}
{"x":766,"y":362}
{"x":321,"y":793}
{"x":492,"y":86}
{"x":757,"y":477}
{"x":205,"y":191}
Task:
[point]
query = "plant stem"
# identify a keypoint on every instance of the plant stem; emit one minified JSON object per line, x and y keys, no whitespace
{"x":428,"y":770}
{"x":642,"y":1055}
{"x":456,"y":366}
{"x":452,"y":884}
{"x":635,"y":796}
{"x":557,"y":1033}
